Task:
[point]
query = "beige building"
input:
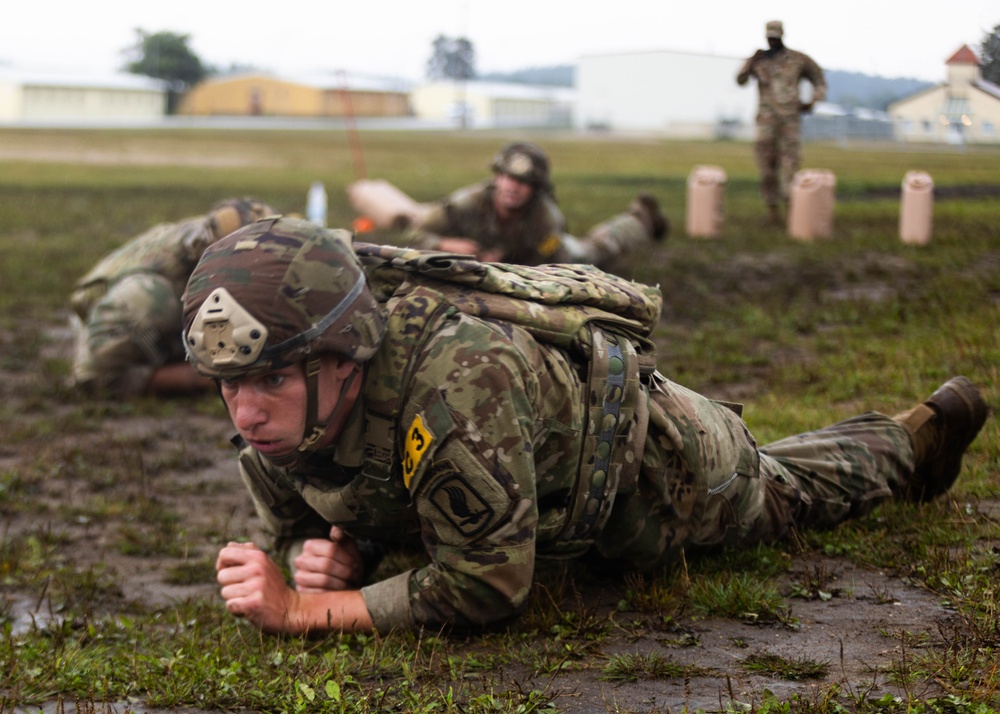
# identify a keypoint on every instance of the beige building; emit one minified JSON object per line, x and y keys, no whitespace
{"x":494,"y":104}
{"x":963,"y":110}
{"x":328,"y":95}
{"x":35,"y":97}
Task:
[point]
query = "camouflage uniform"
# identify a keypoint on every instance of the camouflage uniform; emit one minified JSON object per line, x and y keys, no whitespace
{"x":539,"y":236}
{"x":128,"y":307}
{"x":486,"y":434}
{"x":779,"y":124}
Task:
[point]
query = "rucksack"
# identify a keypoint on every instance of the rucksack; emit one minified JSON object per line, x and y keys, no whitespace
{"x":601,"y":320}
{"x":555,"y":303}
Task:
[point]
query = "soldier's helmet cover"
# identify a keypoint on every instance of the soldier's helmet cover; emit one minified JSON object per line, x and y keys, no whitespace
{"x":232,"y":213}
{"x":272,"y":294}
{"x":526,"y":162}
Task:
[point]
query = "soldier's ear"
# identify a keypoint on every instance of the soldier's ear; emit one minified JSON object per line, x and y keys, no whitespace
{"x":338,"y":367}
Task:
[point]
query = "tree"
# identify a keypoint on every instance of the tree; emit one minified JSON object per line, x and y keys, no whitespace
{"x":452,"y":58}
{"x":989,"y":53}
{"x":166,"y":56}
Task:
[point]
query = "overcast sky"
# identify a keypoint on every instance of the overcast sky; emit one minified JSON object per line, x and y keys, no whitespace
{"x":393,"y":37}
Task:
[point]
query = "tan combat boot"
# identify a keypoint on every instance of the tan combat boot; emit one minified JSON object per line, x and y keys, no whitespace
{"x":647,"y":209}
{"x":941,"y":428}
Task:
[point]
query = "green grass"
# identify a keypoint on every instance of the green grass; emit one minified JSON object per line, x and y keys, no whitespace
{"x":632,"y":667}
{"x":741,"y":595}
{"x":804,"y":333}
{"x":783,"y":667}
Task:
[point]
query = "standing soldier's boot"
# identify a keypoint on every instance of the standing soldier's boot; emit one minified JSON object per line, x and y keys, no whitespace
{"x":941,"y":428}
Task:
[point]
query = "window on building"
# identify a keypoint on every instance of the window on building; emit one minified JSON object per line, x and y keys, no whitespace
{"x":988,"y":128}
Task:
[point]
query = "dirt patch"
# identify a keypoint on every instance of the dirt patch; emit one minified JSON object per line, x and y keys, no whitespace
{"x":860,"y":634}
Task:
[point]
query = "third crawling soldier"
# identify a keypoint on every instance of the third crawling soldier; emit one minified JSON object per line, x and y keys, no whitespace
{"x":128,"y":306}
{"x":514,"y":218}
{"x":779,"y":145}
{"x":494,"y":415}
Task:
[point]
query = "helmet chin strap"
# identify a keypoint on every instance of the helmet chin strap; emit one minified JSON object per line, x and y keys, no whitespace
{"x":315,"y":428}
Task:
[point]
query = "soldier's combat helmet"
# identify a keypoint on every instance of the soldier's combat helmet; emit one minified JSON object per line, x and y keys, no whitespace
{"x":232,"y":213}
{"x":275,"y":293}
{"x":525,"y":162}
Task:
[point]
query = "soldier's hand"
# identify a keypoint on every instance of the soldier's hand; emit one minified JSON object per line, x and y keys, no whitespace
{"x":254,"y":587}
{"x":324,"y":565}
{"x":757,"y":57}
{"x":749,"y":67}
{"x":806,"y":107}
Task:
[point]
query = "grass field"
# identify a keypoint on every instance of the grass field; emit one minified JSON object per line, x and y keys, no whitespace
{"x":803,"y":333}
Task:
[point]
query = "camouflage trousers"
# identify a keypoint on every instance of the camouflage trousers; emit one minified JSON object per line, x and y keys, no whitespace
{"x":125,"y":333}
{"x":605,"y":243}
{"x":704,"y":481}
{"x":778,"y":150}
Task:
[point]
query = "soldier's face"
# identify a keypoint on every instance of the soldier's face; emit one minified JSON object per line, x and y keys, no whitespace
{"x":269,"y":410}
{"x":511,"y":195}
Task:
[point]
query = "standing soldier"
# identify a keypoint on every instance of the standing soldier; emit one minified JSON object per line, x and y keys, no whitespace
{"x":779,"y":124}
{"x":128,"y":307}
{"x":495,"y":415}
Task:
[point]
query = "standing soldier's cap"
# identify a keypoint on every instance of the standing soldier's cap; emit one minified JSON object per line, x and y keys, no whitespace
{"x":774,"y":29}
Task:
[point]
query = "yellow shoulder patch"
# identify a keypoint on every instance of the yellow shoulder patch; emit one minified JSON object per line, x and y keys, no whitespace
{"x":418,"y":440}
{"x":549,"y":245}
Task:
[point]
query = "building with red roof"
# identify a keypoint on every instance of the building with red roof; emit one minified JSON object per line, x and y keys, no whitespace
{"x":963,"y":110}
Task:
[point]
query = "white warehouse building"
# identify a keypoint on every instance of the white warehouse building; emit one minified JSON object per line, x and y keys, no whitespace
{"x":677,"y":94}
{"x":44,"y":97}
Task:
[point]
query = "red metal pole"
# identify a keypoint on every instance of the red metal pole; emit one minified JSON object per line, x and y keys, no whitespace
{"x":352,"y":129}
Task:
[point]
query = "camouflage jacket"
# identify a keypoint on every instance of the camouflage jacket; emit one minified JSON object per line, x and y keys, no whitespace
{"x":170,"y":250}
{"x":778,"y":76}
{"x":475,"y":438}
{"x":469,"y":213}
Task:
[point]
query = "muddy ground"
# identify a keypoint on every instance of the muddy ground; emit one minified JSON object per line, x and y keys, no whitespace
{"x":147,"y":493}
{"x":180,"y":463}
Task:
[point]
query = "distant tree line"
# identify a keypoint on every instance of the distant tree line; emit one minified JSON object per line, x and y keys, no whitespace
{"x":562,"y":75}
{"x":854,"y":90}
{"x":452,"y":58}
{"x":989,"y":55}
{"x":167,"y":56}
